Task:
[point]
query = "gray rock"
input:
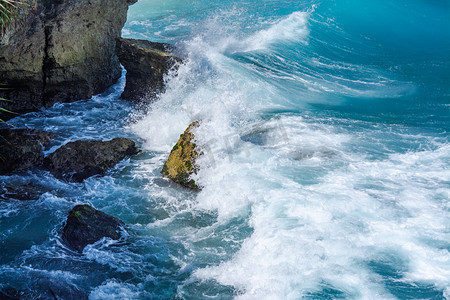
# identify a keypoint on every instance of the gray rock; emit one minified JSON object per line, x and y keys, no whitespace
{"x":22,"y":148}
{"x":79,"y":160}
{"x":61,"y":51}
{"x":146,"y":64}
{"x":86,"y":225}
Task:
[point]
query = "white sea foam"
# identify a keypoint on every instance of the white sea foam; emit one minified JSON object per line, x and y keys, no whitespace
{"x":293,"y":28}
{"x":321,"y":213}
{"x":115,"y":290}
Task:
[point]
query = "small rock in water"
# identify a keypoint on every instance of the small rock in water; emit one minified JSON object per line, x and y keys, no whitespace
{"x":86,"y":225}
{"x":181,"y":162}
{"x":79,"y":160}
{"x":21,"y":192}
{"x":22,"y":148}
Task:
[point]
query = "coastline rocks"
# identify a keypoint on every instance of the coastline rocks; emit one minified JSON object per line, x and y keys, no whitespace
{"x":86,"y":225}
{"x":21,"y":192}
{"x":181,"y":162}
{"x":22,"y":148}
{"x":146,"y":64}
{"x":61,"y":51}
{"x":79,"y":160}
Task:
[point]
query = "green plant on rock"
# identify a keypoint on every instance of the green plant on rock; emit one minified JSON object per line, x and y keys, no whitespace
{"x":1,"y":108}
{"x":10,"y":10}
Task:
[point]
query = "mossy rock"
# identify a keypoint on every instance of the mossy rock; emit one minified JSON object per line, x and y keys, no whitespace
{"x":181,"y":162}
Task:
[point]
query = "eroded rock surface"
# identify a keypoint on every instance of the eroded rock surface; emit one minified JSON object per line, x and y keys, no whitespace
{"x":79,"y":160}
{"x":181,"y":163}
{"x":21,"y":149}
{"x":61,"y":51}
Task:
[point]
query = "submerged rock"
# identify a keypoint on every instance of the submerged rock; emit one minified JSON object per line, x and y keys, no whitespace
{"x":86,"y":225}
{"x":181,"y":162}
{"x":21,"y":192}
{"x":61,"y":51}
{"x":146,"y":64}
{"x":79,"y":160}
{"x":49,"y":289}
{"x":22,"y":148}
{"x":10,"y":293}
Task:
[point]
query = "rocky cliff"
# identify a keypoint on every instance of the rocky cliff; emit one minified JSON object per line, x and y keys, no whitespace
{"x":61,"y":51}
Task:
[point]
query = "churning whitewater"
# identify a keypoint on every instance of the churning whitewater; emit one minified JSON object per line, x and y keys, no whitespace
{"x":338,"y":207}
{"x":325,"y":167}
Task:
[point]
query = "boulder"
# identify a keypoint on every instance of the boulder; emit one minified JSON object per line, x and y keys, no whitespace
{"x":61,"y":51}
{"x":79,"y":160}
{"x":146,"y":63}
{"x":86,"y":225}
{"x":181,"y":163}
{"x":22,"y":148}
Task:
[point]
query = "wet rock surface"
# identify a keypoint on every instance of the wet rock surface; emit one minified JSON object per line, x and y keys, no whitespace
{"x":86,"y":225}
{"x":146,"y":63}
{"x":181,"y":162}
{"x":24,"y":192}
{"x":21,"y":149}
{"x":79,"y":160}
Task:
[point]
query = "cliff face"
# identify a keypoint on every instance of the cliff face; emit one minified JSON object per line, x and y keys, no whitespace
{"x":63,"y":50}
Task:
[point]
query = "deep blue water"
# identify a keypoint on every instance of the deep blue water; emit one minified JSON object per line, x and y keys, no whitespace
{"x":326,"y":174}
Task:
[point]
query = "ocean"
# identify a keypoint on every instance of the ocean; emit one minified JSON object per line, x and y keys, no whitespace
{"x":325,"y":128}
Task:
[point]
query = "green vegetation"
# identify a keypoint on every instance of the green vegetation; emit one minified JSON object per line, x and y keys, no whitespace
{"x":11,"y":10}
{"x":3,"y":99}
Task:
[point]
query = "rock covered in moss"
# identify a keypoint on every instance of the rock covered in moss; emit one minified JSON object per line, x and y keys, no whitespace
{"x":181,"y":163}
{"x":79,"y":160}
{"x":85,"y":225}
{"x":146,"y":63}
{"x":22,"y":148}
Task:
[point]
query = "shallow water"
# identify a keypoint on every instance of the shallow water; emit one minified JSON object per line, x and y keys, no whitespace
{"x":326,"y":172}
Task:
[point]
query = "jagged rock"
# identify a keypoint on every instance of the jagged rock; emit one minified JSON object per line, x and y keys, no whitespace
{"x":86,"y":225}
{"x":22,"y":148}
{"x":79,"y":160}
{"x":146,"y":64}
{"x":181,"y":162}
{"x":61,"y":51}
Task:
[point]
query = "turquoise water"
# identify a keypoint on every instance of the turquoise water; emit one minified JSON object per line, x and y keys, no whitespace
{"x":326,"y":174}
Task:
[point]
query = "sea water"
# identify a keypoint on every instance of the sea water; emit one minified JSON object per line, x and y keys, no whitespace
{"x":326,"y":167}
